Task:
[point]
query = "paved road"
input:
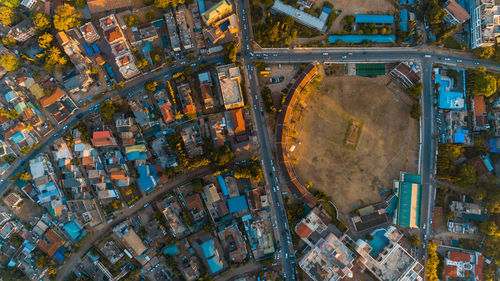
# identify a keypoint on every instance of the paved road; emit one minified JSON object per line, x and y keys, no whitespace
{"x":285,"y":247}
{"x":426,"y":58}
{"x":132,"y":86}
{"x":71,"y":262}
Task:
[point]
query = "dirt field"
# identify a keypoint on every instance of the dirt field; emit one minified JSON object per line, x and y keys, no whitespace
{"x":388,"y":142}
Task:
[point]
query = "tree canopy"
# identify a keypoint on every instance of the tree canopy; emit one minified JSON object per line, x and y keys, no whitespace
{"x":416,"y":111}
{"x":80,"y":4}
{"x":9,"y":62}
{"x":107,"y":110}
{"x":54,"y":56}
{"x":432,"y":262}
{"x":10,"y":3}
{"x":415,"y":90}
{"x":482,"y":83}
{"x":7,"y":15}
{"x":484,"y":53}
{"x":230,"y":51}
{"x":150,"y":86}
{"x":66,"y":17}
{"x":163,"y":4}
{"x":45,"y":40}
{"x":132,"y":20}
{"x":41,"y":21}
{"x":222,"y":155}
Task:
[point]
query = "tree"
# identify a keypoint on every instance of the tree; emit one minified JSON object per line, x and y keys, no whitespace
{"x":7,"y":15}
{"x":12,"y":274}
{"x":43,"y":261}
{"x":415,"y":90}
{"x":10,"y":3}
{"x":483,"y":84}
{"x":150,"y":86}
{"x":484,"y":53}
{"x":466,"y":175}
{"x":151,"y":15}
{"x":132,"y":20}
{"x":107,"y":110}
{"x":9,"y":62}
{"x":415,"y":241}
{"x":45,"y":40}
{"x":8,"y":159}
{"x":489,"y":228}
{"x":432,"y":262}
{"x":80,"y":4}
{"x":157,"y":56}
{"x":12,"y":114}
{"x":416,"y":111}
{"x":25,"y":176}
{"x":142,"y":63}
{"x":9,"y":42}
{"x":230,"y":51}
{"x":222,"y":155}
{"x":66,"y":17}
{"x":163,"y":4}
{"x":197,"y":185}
{"x":41,"y":21}
{"x":54,"y":56}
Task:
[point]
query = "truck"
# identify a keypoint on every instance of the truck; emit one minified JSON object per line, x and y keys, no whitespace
{"x":88,"y":50}
{"x":96,"y":48}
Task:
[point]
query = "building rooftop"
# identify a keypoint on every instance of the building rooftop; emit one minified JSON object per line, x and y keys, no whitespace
{"x":229,"y":81}
{"x":409,"y":201}
{"x":301,"y":16}
{"x":378,"y":19}
{"x":50,"y":242}
{"x":457,"y":11}
{"x":237,"y":204}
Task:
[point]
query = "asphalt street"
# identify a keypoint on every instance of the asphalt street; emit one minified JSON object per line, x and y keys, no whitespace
{"x":285,"y":248}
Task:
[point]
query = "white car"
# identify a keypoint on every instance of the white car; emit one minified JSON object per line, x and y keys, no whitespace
{"x":344,"y":57}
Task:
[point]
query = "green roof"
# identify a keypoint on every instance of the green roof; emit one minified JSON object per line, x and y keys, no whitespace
{"x":135,"y":148}
{"x":412,"y":178}
{"x":405,"y":198}
{"x":20,"y":107}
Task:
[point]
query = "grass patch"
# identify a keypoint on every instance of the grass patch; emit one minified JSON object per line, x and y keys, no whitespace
{"x":352,"y":134}
{"x":451,"y":43}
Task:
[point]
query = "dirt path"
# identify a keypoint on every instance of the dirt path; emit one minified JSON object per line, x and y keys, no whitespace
{"x":72,"y":261}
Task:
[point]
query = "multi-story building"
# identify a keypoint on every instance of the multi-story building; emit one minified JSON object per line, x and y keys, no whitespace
{"x":229,"y":81}
{"x":485,"y":23}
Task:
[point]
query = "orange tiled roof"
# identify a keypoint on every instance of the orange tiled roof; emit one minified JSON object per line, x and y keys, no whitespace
{"x":450,"y":271}
{"x":457,"y":256}
{"x":118,"y":175}
{"x":56,"y":95}
{"x":479,"y":105}
{"x":167,"y":113}
{"x":238,"y":120}
{"x":113,"y":34}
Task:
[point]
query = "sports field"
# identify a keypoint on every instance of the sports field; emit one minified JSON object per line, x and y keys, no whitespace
{"x":330,"y":154}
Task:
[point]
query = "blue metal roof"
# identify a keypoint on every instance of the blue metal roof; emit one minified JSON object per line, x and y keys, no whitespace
{"x":237,"y":204}
{"x":355,"y":38}
{"x":223,"y":186}
{"x":403,"y":15}
{"x":383,"y":19}
{"x":18,"y":137}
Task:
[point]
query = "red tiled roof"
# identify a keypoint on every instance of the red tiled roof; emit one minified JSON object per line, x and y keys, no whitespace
{"x":479,"y":268}
{"x":303,"y":230}
{"x":479,"y":105}
{"x":458,"y":11}
{"x":194,"y":202}
{"x":87,"y":160}
{"x":457,"y":256}
{"x":101,"y":134}
{"x":450,"y":271}
{"x":50,"y":243}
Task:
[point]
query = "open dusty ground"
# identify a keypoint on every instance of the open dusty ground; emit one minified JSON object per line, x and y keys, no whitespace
{"x":388,"y":142}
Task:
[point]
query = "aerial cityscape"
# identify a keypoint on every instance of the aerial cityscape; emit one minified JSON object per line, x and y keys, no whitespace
{"x":250,"y":140}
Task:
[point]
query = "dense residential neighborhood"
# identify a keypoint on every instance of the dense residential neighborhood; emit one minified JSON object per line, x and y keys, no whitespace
{"x":249,"y":140}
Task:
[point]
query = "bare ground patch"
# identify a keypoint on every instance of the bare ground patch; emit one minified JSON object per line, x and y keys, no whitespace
{"x":388,"y":142}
